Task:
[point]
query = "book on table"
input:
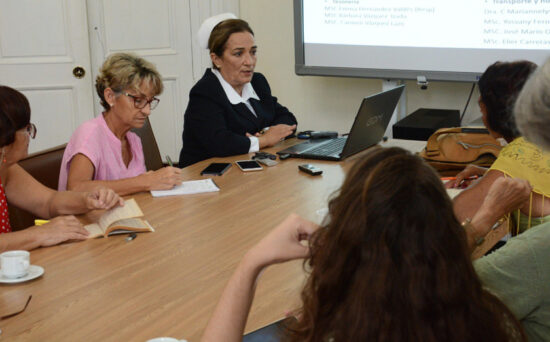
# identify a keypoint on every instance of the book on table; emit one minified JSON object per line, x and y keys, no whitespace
{"x":120,"y":220}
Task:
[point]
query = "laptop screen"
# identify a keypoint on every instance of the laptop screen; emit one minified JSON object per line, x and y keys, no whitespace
{"x":372,"y":120}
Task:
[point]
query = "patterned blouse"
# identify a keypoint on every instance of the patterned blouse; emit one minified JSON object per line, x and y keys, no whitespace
{"x":4,"y":216}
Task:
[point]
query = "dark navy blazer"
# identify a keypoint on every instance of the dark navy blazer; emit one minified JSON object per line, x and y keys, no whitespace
{"x":213,"y":127}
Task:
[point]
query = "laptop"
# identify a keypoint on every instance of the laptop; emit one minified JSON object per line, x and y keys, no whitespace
{"x":369,"y":126}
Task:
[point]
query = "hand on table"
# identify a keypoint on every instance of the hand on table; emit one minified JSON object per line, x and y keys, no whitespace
{"x":274,"y":134}
{"x":60,"y":229}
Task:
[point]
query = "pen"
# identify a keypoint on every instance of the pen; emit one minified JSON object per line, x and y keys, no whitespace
{"x":454,"y":178}
{"x":169,"y":161}
{"x":38,"y":222}
{"x":131,"y":236}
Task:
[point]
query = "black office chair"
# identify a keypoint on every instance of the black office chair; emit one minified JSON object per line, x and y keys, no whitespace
{"x":44,"y":166}
{"x":153,"y":160}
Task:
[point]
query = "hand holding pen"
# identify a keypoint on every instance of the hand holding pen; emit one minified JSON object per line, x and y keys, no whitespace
{"x":465,"y":177}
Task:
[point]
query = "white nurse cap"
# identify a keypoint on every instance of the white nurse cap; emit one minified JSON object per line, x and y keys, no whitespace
{"x":208,"y":25}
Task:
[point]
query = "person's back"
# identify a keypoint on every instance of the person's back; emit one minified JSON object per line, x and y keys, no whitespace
{"x":391,"y":263}
{"x":499,"y":87}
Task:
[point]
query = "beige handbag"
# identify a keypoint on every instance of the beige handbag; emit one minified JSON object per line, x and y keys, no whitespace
{"x":449,"y":150}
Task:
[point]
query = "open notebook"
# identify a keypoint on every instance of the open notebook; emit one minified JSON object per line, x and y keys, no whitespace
{"x":120,"y":220}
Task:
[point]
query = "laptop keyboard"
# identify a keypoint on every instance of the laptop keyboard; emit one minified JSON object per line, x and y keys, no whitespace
{"x":330,"y":148}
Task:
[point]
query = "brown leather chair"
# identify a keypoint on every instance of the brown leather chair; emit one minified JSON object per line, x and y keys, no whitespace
{"x":153,"y":160}
{"x":44,"y":166}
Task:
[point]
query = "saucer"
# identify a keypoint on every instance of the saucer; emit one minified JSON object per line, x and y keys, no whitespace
{"x":34,"y":272}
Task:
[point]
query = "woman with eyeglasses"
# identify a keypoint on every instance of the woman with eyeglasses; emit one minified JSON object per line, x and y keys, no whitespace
{"x":103,"y":151}
{"x":20,"y":189}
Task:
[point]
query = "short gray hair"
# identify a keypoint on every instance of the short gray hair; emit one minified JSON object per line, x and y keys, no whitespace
{"x":532,"y":108}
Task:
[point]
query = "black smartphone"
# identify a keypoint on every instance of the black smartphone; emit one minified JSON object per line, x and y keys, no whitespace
{"x":311,"y":169}
{"x":216,"y":169}
{"x":273,"y":332}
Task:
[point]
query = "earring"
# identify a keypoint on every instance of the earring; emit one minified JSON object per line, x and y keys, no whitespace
{"x":217,"y":66}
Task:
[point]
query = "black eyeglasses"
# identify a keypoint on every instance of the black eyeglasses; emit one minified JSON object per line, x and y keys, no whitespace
{"x":31,"y":130}
{"x":140,"y":102}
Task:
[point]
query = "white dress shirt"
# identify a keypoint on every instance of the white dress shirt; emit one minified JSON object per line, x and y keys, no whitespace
{"x":235,"y":98}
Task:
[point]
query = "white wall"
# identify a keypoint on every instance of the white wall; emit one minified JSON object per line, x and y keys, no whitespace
{"x":329,"y":102}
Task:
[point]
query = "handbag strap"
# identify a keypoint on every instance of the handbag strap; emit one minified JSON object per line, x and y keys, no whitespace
{"x":432,"y":146}
{"x":491,"y":240}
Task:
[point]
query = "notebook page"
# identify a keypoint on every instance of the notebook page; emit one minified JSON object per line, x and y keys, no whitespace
{"x":453,"y":192}
{"x":188,"y":188}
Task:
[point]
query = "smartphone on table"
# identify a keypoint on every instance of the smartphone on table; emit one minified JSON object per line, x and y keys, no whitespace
{"x":216,"y":169}
{"x":249,"y":165}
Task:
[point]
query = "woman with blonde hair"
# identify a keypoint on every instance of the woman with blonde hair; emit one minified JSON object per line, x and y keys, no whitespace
{"x":103,"y":151}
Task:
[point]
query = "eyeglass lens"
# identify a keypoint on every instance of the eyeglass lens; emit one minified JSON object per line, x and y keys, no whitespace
{"x":140,"y":102}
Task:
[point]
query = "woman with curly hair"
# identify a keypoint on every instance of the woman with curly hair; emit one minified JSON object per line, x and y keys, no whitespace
{"x":390,"y":263}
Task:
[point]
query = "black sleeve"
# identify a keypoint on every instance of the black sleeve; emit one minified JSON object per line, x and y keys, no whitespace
{"x":281,"y":114}
{"x":205,"y":120}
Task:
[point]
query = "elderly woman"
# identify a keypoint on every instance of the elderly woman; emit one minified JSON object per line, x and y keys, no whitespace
{"x":499,"y":87}
{"x":231,"y":110}
{"x":22,"y":190}
{"x":390,"y":263}
{"x":103,"y":151}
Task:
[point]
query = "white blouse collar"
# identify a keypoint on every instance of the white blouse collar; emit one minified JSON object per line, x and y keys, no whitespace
{"x":231,"y":93}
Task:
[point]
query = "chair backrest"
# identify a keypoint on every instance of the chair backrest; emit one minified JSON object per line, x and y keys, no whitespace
{"x":153,"y":160}
{"x":44,"y":166}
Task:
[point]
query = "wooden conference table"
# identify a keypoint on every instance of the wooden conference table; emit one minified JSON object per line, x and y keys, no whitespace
{"x":167,"y":283}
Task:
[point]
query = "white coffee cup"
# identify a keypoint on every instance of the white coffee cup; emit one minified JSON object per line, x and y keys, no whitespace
{"x":165,"y":339}
{"x":15,"y":264}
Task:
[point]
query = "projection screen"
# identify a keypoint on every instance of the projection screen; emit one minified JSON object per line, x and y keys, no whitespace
{"x":405,"y":39}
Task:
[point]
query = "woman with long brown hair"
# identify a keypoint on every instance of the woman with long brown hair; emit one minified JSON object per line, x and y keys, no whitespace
{"x":391,"y":263}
